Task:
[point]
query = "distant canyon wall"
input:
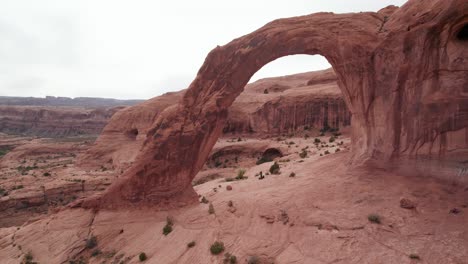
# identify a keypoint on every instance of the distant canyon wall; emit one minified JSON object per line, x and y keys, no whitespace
{"x":53,"y":121}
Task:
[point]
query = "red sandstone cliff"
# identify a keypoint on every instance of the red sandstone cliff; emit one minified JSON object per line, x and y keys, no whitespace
{"x":53,"y":121}
{"x":402,"y":72}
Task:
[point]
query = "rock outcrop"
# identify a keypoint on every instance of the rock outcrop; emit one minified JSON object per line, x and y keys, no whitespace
{"x":402,"y":72}
{"x":268,"y":107}
{"x":53,"y":121}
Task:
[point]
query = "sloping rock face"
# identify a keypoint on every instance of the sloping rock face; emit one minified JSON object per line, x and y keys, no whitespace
{"x":122,"y":138}
{"x":53,"y":121}
{"x":403,"y":74}
{"x":268,"y":107}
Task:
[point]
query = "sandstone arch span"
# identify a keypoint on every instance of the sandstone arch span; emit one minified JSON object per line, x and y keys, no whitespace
{"x":403,"y":73}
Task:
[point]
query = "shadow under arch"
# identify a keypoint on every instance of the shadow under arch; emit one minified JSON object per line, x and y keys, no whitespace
{"x":372,"y":75}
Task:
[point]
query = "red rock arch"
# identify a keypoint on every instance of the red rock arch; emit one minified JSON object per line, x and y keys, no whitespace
{"x":389,"y":86}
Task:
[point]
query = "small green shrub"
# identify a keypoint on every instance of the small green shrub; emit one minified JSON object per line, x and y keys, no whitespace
{"x":204,"y":200}
{"x":28,"y":259}
{"x":331,"y":140}
{"x":265,"y":91}
{"x":168,"y":227}
{"x":3,"y":192}
{"x":292,"y":174}
{"x":240,"y":174}
{"x":191,"y":244}
{"x":317,"y":140}
{"x":142,"y":257}
{"x":91,"y":242}
{"x":253,"y":260}
{"x":327,"y":152}
{"x":275,"y":168}
{"x":217,"y":247}
{"x":3,"y":152}
{"x":414,"y":256}
{"x":374,"y":218}
{"x":211,"y":209}
{"x":46,"y":174}
{"x":303,"y":154}
{"x":229,"y":258}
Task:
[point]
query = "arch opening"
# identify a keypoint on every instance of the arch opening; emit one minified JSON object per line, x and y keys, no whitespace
{"x":269,"y":155}
{"x":132,"y":133}
{"x":304,"y":95}
{"x":463,"y":33}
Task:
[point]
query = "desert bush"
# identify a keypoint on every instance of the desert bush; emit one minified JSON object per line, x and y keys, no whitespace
{"x":292,"y":174}
{"x":28,"y":259}
{"x":337,"y":150}
{"x":331,"y":140}
{"x":240,"y":174}
{"x":204,"y":200}
{"x":265,"y":91}
{"x":275,"y":168}
{"x":96,"y":252}
{"x":414,"y":256}
{"x":91,"y":242}
{"x":229,"y":258}
{"x":374,"y":218}
{"x":3,"y":152}
{"x":317,"y":140}
{"x":168,"y":227}
{"x":230,"y":204}
{"x":253,"y":260}
{"x":303,"y":154}
{"x":46,"y":174}
{"x":211,"y":209}
{"x":217,"y":247}
{"x":191,"y":244}
{"x":327,"y":152}
{"x":142,"y":257}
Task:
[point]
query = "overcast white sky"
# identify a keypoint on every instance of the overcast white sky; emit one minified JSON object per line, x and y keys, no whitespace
{"x":136,"y":49}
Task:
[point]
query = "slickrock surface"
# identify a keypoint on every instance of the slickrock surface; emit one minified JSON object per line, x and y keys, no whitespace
{"x":318,"y":216}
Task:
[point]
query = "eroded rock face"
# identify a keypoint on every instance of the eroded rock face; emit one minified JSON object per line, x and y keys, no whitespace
{"x":268,"y":107}
{"x":403,"y":74}
{"x":53,"y":121}
{"x":122,"y":138}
